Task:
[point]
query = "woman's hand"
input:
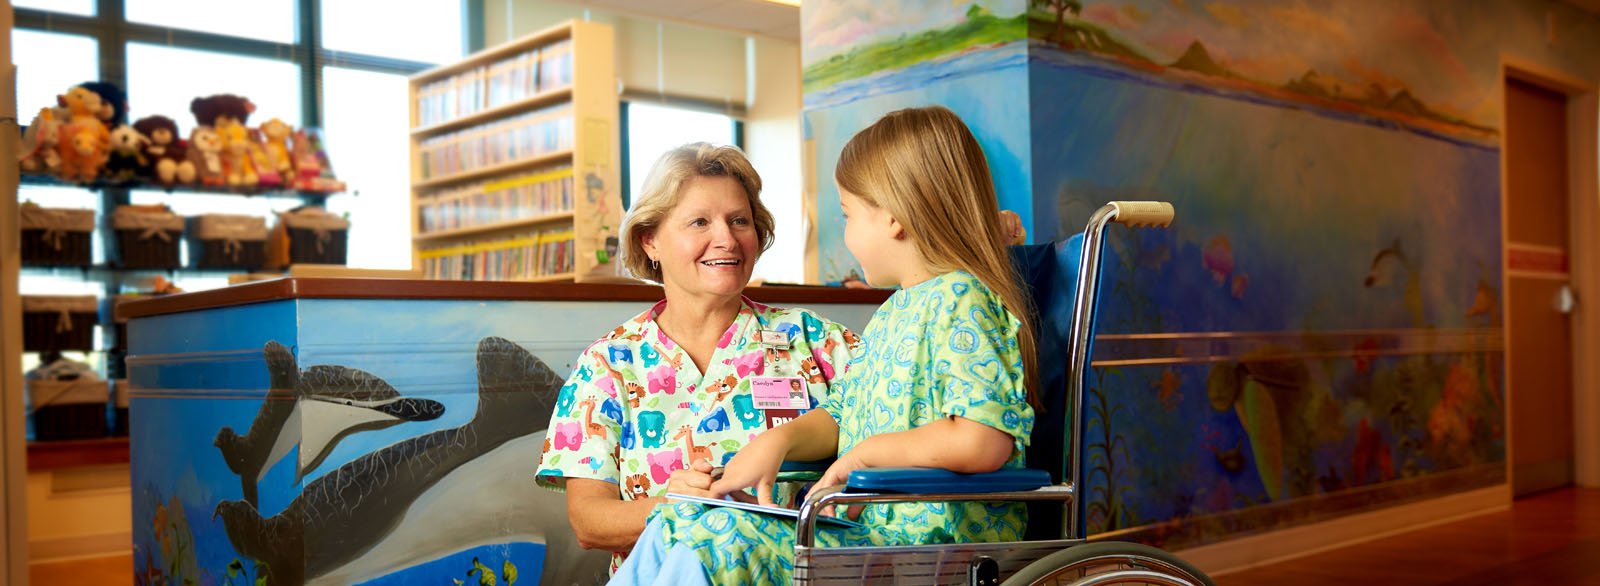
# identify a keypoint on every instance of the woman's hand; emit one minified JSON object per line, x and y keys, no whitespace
{"x":694,"y":481}
{"x":755,"y":465}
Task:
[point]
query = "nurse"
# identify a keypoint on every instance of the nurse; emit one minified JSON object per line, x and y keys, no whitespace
{"x":658,"y":402}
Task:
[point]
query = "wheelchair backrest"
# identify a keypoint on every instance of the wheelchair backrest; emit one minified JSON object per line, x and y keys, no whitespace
{"x":1050,"y":272}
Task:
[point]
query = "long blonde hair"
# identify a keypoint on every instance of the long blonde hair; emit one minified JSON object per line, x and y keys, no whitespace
{"x":926,"y":169}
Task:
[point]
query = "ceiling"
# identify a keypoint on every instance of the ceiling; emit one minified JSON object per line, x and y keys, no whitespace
{"x":773,"y":18}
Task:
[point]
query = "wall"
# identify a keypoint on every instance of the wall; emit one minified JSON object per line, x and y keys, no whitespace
{"x":1320,"y":332}
{"x":755,"y":78}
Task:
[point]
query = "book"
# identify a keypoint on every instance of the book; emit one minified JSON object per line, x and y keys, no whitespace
{"x":765,"y":510}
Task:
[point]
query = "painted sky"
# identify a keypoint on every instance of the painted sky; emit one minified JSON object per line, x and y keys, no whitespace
{"x":829,"y":28}
{"x":1447,"y":54}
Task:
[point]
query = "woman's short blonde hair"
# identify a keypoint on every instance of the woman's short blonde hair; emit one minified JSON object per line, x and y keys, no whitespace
{"x":664,"y":186}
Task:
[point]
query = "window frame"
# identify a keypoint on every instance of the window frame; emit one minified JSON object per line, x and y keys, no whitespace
{"x":113,"y":31}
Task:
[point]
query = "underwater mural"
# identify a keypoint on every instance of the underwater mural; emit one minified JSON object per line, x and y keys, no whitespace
{"x":1319,"y":332}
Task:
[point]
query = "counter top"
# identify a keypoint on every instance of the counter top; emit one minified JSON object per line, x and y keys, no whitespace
{"x":349,"y":288}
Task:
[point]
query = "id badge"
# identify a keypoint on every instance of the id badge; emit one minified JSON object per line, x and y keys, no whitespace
{"x":772,"y":392}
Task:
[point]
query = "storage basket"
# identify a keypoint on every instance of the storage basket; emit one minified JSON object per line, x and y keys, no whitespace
{"x":148,"y":236}
{"x":55,"y":236}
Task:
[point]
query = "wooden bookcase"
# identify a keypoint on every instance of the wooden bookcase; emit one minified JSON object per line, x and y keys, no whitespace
{"x":515,"y":162}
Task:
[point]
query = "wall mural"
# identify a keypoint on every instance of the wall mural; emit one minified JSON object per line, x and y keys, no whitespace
{"x":396,"y":467}
{"x":1319,"y":332}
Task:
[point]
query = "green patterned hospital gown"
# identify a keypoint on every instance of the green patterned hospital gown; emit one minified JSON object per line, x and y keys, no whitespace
{"x":943,"y":347}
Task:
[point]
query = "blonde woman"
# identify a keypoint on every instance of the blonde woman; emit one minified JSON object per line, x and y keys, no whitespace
{"x":656,"y":403}
{"x":943,"y":380}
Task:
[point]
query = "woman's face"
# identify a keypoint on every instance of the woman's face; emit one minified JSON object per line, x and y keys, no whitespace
{"x":708,"y":243}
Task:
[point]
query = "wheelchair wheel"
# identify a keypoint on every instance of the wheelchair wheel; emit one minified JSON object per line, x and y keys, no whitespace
{"x":1109,"y":562}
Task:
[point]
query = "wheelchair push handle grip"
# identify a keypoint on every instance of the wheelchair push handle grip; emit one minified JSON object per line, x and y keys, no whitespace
{"x":1156,"y":214}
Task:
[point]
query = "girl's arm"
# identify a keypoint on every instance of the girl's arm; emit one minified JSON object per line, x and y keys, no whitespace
{"x":953,"y":443}
{"x":812,"y":436}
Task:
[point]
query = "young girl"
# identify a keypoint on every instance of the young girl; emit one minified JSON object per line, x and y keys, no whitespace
{"x":944,"y":380}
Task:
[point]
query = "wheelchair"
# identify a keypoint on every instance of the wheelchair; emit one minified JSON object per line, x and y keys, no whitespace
{"x":1068,"y":558}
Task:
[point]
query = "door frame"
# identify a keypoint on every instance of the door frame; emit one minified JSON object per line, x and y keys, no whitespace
{"x":1583,"y":252}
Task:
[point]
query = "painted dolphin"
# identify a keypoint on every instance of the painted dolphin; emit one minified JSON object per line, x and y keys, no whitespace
{"x":428,"y":496}
{"x":314,"y":409}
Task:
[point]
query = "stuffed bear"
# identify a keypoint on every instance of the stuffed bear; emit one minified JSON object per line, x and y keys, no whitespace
{"x":39,"y":143}
{"x":127,"y":157}
{"x":238,"y":161}
{"x":221,"y":110}
{"x":164,"y":154}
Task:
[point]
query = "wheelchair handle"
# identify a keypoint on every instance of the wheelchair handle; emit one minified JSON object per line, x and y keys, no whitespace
{"x":1136,"y":214}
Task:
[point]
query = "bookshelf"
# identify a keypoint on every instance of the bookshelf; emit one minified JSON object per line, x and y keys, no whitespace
{"x":515,"y":161}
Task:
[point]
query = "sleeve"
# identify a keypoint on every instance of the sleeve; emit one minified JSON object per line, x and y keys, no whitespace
{"x":833,"y":354}
{"x":583,"y":436}
{"x":980,"y":367}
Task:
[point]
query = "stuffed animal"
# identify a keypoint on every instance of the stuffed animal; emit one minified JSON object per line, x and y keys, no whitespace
{"x":83,"y":109}
{"x":113,"y":103}
{"x":205,"y":153}
{"x":277,"y":146}
{"x":311,"y":169}
{"x":238,"y":162}
{"x":127,"y":157}
{"x":269,"y":176}
{"x":82,"y":150}
{"x":221,"y":110}
{"x":39,"y":154}
{"x":164,"y":154}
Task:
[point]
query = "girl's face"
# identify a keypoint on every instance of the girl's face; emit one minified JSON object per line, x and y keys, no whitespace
{"x":873,"y":237}
{"x":708,"y":243}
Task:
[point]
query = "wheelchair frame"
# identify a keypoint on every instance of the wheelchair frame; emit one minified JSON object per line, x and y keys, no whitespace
{"x":987,"y":563}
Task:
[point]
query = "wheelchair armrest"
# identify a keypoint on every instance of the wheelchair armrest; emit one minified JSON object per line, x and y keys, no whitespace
{"x":940,"y":481}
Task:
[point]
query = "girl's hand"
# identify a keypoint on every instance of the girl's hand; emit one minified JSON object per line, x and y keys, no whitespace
{"x":754,"y":465}
{"x":695,"y":481}
{"x":839,"y":473}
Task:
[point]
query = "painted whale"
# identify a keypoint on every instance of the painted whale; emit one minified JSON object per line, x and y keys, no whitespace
{"x":429,"y":496}
{"x":314,"y":409}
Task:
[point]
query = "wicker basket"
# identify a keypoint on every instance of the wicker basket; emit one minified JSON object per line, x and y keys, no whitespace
{"x":55,"y":236}
{"x":227,"y":241}
{"x":308,"y":235}
{"x":51,"y":322}
{"x":68,"y":409}
{"x":148,"y":236}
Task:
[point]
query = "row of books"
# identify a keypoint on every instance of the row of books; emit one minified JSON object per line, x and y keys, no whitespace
{"x":520,"y":257}
{"x":502,"y":82}
{"x":523,"y":196}
{"x":534,"y":134}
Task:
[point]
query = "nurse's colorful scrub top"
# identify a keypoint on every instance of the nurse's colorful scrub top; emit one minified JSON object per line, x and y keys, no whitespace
{"x":636,"y":407}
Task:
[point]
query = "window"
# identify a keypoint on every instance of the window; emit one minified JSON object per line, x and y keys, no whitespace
{"x":655,"y":129}
{"x":367,"y":142}
{"x":428,"y":31}
{"x":153,"y":87}
{"x":267,"y":20}
{"x":169,"y":52}
{"x":48,"y":64}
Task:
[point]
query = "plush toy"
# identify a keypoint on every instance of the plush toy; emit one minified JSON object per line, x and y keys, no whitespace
{"x":277,"y":146}
{"x":221,"y":110}
{"x":164,"y":153}
{"x":83,"y":109}
{"x":268,"y":176}
{"x":205,"y":153}
{"x":39,"y":154}
{"x":238,"y":162}
{"x":113,"y":103}
{"x":311,"y":169}
{"x":82,"y":150}
{"x":127,"y":156}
